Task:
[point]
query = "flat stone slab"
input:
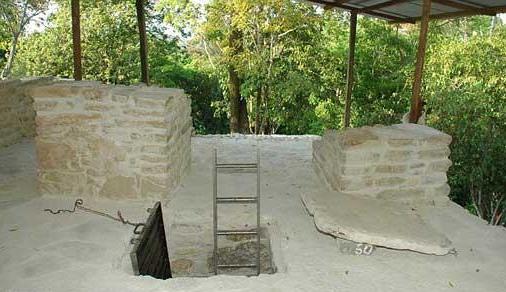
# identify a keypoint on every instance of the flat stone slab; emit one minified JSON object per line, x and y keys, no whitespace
{"x":378,"y":222}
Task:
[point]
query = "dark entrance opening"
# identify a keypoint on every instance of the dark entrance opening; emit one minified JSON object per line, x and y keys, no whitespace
{"x":150,"y":256}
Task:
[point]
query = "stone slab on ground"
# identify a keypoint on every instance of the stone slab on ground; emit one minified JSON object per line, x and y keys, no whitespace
{"x":374,"y":221}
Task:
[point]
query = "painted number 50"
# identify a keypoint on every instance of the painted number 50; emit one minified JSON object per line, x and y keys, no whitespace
{"x":363,"y":249}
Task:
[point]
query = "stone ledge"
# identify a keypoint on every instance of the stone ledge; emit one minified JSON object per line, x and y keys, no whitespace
{"x":399,"y":135}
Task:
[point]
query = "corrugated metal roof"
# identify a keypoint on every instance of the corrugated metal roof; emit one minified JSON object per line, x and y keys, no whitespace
{"x":411,"y":10}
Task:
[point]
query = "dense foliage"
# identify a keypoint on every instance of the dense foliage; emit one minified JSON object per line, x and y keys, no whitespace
{"x":279,"y":66}
{"x":466,"y":85}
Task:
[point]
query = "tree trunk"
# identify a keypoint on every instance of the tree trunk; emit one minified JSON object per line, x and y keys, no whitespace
{"x":265,"y":117}
{"x":12,"y":52}
{"x":141,"y":23}
{"x":234,"y":85}
{"x":243,"y":116}
{"x":258,"y":107}
{"x":238,"y":109}
{"x":76,"y":40}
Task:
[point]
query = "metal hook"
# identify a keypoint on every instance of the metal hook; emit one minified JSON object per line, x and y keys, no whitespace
{"x":137,"y":226}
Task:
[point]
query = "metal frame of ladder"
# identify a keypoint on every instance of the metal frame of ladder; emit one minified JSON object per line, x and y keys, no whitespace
{"x":235,"y":168}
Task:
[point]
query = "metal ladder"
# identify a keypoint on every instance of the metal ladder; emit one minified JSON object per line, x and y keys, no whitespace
{"x":235,"y":168}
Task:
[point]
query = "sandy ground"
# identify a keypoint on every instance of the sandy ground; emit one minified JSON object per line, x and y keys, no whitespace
{"x":84,"y":252}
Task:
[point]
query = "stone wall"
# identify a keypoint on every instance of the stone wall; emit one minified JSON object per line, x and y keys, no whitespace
{"x":111,"y":141}
{"x":17,"y":117}
{"x":406,"y":162}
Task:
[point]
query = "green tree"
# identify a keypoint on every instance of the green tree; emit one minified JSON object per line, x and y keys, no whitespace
{"x":466,"y":88}
{"x":385,"y":62}
{"x":4,"y":43}
{"x":109,"y":44}
{"x":15,"y":15}
{"x":220,"y":40}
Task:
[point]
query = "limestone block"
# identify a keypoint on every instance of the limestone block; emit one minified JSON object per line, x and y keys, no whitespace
{"x":150,"y":189}
{"x":398,"y":162}
{"x":439,"y":165}
{"x":398,"y":155}
{"x":354,"y":184}
{"x":54,"y":155}
{"x":119,"y":187}
{"x":58,"y":182}
{"x":389,"y":182}
{"x":16,"y":111}
{"x":390,"y":168}
{"x":434,"y":154}
{"x":123,"y":141}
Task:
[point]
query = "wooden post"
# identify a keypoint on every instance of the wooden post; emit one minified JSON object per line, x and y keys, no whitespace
{"x":76,"y":40}
{"x":416,"y":99}
{"x":141,"y":23}
{"x":351,"y":65}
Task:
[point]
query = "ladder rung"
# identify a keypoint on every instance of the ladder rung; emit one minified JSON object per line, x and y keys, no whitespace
{"x":236,"y":170}
{"x":236,"y":232}
{"x":236,"y":200}
{"x":236,"y":165}
{"x":236,"y":266}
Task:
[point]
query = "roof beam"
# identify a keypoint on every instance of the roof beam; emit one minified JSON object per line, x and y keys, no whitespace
{"x":460,"y":5}
{"x":369,"y":9}
{"x":397,"y":19}
{"x":383,"y":5}
{"x":476,"y":11}
{"x":373,"y":13}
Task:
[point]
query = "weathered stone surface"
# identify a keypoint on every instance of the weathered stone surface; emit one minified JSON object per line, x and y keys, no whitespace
{"x":100,"y":140}
{"x":150,"y":189}
{"x":106,"y":150}
{"x":406,"y":163}
{"x":374,"y":221}
{"x":358,"y":136}
{"x":54,"y":155}
{"x":404,"y":195}
{"x":119,"y":187}
{"x":17,"y":116}
{"x":65,"y":120}
{"x":391,"y":168}
{"x":390,"y":181}
{"x":398,"y":155}
{"x":440,"y":165}
{"x":182,"y":266}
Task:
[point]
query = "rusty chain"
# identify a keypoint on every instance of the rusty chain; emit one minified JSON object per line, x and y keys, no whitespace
{"x":78,"y":204}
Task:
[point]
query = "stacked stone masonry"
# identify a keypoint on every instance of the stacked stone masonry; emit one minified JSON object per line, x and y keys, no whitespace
{"x":405,"y":163}
{"x":17,"y":117}
{"x":110,"y":141}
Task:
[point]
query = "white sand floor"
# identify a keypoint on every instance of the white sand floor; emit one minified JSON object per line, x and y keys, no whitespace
{"x":84,"y":252}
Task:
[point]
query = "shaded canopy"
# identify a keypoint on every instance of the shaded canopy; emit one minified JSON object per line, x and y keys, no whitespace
{"x":411,"y":10}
